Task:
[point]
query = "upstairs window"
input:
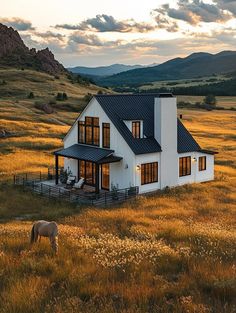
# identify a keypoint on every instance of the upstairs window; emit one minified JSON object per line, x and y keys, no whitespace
{"x":89,"y":131}
{"x":185,"y":166}
{"x":106,"y":135}
{"x":202,"y":163}
{"x":136,"y":129}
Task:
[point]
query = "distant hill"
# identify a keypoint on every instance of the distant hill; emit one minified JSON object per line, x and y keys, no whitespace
{"x":14,"y":53}
{"x":195,"y":65}
{"x":105,"y":70}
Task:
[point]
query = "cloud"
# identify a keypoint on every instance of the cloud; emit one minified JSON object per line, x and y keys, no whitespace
{"x":17,"y":23}
{"x":194,"y":11}
{"x":166,"y":23}
{"x":229,"y":5}
{"x":86,"y":39}
{"x":49,"y":35}
{"x":106,"y":23}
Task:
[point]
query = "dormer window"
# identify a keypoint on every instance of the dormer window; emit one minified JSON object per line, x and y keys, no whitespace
{"x":136,"y":131}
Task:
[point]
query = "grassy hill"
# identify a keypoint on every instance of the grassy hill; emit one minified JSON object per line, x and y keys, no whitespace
{"x":193,"y":66}
{"x":17,"y":84}
{"x":169,"y":252}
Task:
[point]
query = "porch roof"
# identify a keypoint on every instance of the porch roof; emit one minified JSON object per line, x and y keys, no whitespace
{"x":88,"y":153}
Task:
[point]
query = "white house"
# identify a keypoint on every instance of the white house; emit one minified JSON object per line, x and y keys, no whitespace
{"x":134,"y":140}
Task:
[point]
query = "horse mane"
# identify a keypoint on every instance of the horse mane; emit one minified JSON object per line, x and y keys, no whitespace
{"x":32,"y":235}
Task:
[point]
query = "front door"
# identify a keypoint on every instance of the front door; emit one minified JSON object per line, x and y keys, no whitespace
{"x":106,"y":176}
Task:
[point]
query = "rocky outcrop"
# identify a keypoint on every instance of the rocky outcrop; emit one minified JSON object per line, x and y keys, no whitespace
{"x":48,"y":62}
{"x":10,"y":42}
{"x":13,"y":52}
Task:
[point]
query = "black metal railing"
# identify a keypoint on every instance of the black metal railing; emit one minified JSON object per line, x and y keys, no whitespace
{"x":37,"y":183}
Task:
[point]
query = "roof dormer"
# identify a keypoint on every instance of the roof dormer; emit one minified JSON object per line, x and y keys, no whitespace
{"x":136,"y":128}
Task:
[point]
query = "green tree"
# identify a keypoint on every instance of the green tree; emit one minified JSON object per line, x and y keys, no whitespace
{"x":210,"y":100}
{"x":59,"y":96}
{"x":64,"y":96}
{"x":31,"y":95}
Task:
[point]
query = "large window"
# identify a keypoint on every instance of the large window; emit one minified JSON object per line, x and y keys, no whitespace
{"x":202,"y":163}
{"x":185,"y":166}
{"x":149,"y":173}
{"x":89,"y":131}
{"x":88,"y":172}
{"x":136,"y":129}
{"x":106,"y":135}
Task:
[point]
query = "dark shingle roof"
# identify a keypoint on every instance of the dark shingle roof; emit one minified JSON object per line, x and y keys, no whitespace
{"x":141,"y":107}
{"x":83,"y":152}
{"x":186,"y":142}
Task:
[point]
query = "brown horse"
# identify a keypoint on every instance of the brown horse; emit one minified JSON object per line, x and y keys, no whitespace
{"x":45,"y":229}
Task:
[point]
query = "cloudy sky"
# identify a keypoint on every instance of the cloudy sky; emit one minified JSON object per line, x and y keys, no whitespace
{"x":102,"y":32}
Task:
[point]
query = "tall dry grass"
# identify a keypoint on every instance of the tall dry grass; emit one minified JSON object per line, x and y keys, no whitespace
{"x":169,"y":252}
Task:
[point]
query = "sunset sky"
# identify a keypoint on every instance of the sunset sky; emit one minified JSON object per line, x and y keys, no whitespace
{"x":102,"y":32}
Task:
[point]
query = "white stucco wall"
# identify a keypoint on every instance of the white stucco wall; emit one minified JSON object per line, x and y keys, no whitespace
{"x":196,"y":175}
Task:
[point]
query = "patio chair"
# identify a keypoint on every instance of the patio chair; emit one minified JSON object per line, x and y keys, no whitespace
{"x":80,"y":183}
{"x":70,"y":181}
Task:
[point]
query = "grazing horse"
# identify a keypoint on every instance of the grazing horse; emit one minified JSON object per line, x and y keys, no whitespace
{"x":45,"y":229}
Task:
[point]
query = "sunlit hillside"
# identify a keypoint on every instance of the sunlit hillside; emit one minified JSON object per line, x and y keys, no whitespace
{"x":169,"y":252}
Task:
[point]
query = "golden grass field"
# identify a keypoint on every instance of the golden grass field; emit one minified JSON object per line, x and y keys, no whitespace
{"x":169,"y":252}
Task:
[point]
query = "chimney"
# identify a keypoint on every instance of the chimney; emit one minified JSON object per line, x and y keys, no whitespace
{"x":165,"y":132}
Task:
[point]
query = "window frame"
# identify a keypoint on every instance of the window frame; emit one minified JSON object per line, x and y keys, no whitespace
{"x":81,"y":126}
{"x":136,"y":129}
{"x":185,"y":166}
{"x":106,"y":127}
{"x":202,"y":165}
{"x":148,"y":175}
{"x":91,"y":123}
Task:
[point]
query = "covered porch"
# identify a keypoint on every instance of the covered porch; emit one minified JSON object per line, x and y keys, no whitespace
{"x":92,"y":163}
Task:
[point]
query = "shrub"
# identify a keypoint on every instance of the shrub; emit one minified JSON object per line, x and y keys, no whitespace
{"x":61,"y":96}
{"x":31,"y":95}
{"x":88,"y":97}
{"x":43,"y":107}
{"x":210,"y":100}
{"x":64,"y":96}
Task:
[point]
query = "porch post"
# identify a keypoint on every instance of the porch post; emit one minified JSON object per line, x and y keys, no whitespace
{"x":56,"y":168}
{"x":97,"y":179}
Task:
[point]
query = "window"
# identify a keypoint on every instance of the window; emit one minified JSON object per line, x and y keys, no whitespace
{"x":149,"y":173}
{"x":202,"y":163}
{"x":88,"y":171}
{"x":136,"y":129}
{"x":105,"y":176}
{"x":91,"y":131}
{"x":185,"y":166}
{"x":81,"y":137}
{"x":106,"y":135}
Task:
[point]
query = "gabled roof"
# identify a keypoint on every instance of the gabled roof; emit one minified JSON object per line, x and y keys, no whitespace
{"x":141,"y":107}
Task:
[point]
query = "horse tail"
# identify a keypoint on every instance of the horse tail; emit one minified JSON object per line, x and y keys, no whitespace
{"x":32,"y":238}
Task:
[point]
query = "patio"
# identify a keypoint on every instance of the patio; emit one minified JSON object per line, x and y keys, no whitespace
{"x":45,"y":185}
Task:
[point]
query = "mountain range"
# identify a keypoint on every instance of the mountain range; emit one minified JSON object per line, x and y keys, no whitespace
{"x":195,"y":65}
{"x":14,"y":53}
{"x":106,"y":70}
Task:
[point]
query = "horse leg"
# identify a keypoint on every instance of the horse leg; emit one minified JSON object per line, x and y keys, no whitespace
{"x":54,"y":243}
{"x":40,"y":238}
